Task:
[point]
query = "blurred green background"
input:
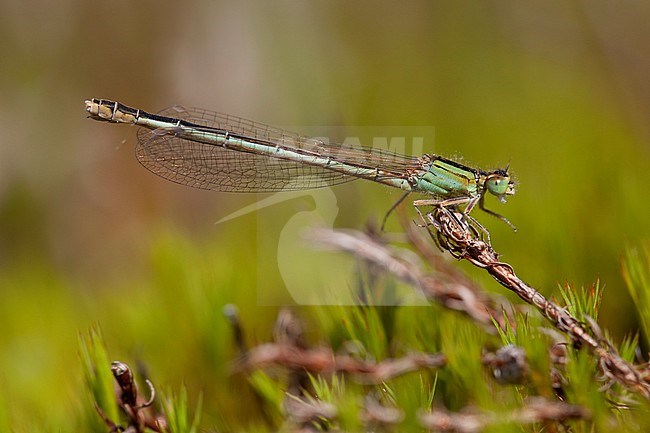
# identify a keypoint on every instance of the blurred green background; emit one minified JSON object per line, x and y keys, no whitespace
{"x":558,"y":90}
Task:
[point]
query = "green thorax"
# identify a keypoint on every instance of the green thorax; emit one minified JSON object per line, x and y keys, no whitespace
{"x":445,"y":178}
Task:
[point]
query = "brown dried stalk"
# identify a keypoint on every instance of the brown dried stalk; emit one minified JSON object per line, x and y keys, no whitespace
{"x":308,"y":414}
{"x":464,"y":241}
{"x":462,"y":237}
{"x":535,"y":410}
{"x":290,"y":350}
{"x":302,"y":411}
{"x":133,"y":404}
{"x":323,"y":360}
{"x":446,"y":287}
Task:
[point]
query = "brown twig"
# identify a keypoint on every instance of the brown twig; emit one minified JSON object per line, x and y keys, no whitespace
{"x":458,"y":237}
{"x":304,"y":411}
{"x":443,"y":287}
{"x":323,"y":360}
{"x":536,"y":410}
{"x":132,"y":403}
{"x":377,"y":416}
{"x":308,"y":414}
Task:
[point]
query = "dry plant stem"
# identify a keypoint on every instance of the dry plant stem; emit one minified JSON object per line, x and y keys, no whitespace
{"x":323,"y":360}
{"x":442,"y":287}
{"x":535,"y":410}
{"x":302,"y":411}
{"x":452,"y":273}
{"x":457,"y":237}
{"x":377,"y":415}
{"x":461,"y":243}
{"x":305,"y":414}
{"x":132,"y":403}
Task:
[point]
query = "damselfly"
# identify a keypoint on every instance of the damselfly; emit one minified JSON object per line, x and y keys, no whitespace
{"x":209,"y":150}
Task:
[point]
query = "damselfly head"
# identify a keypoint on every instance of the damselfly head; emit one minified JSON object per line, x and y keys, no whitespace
{"x":499,"y":183}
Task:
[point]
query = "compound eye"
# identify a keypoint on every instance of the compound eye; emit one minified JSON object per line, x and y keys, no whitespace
{"x":497,"y":184}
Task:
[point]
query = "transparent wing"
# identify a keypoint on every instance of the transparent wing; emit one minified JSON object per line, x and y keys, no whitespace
{"x":207,"y":166}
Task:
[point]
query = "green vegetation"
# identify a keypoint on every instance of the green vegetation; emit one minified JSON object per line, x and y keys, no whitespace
{"x":102,"y":261}
{"x":248,"y":398}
